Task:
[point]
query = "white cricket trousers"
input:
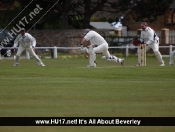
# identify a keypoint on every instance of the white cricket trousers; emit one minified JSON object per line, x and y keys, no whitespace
{"x":103,"y":48}
{"x":155,"y":48}
{"x":31,"y":52}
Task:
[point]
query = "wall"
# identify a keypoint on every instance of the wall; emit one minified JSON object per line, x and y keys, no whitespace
{"x":66,"y":38}
{"x":61,"y":38}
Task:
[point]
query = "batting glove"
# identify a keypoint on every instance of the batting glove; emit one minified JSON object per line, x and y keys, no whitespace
{"x":80,"y":46}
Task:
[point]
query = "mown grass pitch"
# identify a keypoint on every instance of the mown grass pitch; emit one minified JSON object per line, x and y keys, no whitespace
{"x":65,"y":87}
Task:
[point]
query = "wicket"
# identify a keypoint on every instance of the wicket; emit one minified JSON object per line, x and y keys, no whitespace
{"x":142,"y":55}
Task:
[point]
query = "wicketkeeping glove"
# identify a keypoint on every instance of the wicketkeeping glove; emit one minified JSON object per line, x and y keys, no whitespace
{"x":136,"y":42}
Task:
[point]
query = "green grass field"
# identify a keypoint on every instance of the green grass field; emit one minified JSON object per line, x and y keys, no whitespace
{"x":66,"y":88}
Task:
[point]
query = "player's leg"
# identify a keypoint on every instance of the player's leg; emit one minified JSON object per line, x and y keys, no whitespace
{"x":106,"y":55}
{"x":103,"y":48}
{"x":31,"y":52}
{"x":171,"y":61}
{"x":112,"y":57}
{"x":18,"y":54}
{"x":155,"y":48}
{"x":92,"y":56}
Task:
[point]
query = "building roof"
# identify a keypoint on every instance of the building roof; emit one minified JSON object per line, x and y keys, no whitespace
{"x":101,"y":25}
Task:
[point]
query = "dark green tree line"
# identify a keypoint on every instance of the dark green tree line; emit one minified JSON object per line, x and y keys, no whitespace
{"x":77,"y":13}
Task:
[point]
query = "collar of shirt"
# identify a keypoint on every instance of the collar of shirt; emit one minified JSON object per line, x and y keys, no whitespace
{"x":23,"y":36}
{"x":147,"y":28}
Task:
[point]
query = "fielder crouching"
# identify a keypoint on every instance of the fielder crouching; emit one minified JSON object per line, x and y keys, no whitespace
{"x":149,"y":37}
{"x":97,"y":45}
{"x":26,"y":42}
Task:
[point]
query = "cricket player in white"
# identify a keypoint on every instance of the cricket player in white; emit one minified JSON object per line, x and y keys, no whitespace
{"x":26,"y":42}
{"x":149,"y":37}
{"x":171,"y":61}
{"x":98,"y":45}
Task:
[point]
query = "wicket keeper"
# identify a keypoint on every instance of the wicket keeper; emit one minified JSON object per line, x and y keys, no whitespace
{"x":149,"y":37}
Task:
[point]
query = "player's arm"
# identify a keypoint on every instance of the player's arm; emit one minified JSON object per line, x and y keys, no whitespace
{"x":16,"y":41}
{"x":33,"y":41}
{"x":150,"y":37}
{"x":83,"y":41}
{"x":87,"y":37}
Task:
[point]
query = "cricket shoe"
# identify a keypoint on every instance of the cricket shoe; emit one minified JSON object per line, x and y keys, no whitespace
{"x":41,"y":64}
{"x":138,"y":64}
{"x":103,"y":57}
{"x":16,"y":64}
{"x":162,"y":64}
{"x":111,"y":58}
{"x":122,"y":62}
{"x":89,"y":66}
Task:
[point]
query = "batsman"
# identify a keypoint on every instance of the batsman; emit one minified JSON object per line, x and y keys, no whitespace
{"x":151,"y":40}
{"x":97,"y":45}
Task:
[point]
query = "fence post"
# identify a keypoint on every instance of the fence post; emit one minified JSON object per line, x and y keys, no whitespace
{"x":164,"y":36}
{"x":55,"y":52}
{"x":119,"y":32}
{"x":171,"y":49}
{"x":127,"y":49}
{"x":139,"y":32}
{"x":27,"y":55}
{"x":0,"y":53}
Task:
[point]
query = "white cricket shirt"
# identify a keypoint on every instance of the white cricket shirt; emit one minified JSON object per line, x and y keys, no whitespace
{"x":25,"y":40}
{"x":94,"y":38}
{"x":148,"y":35}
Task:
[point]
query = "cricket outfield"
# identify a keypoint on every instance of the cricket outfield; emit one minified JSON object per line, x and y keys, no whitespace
{"x":66,"y":88}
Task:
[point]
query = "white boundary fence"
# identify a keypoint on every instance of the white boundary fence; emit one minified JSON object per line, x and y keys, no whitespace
{"x":55,"y":49}
{"x":132,"y":47}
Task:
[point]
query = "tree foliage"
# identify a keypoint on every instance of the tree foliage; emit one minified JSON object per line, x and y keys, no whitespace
{"x":150,"y":9}
{"x":77,"y":13}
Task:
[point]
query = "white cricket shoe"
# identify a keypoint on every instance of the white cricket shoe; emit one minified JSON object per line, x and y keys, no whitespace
{"x":170,"y":64}
{"x":16,"y":64}
{"x":89,"y":66}
{"x":41,"y":64}
{"x":103,"y":57}
{"x":122,"y":62}
{"x":162,"y":64}
{"x":138,"y":64}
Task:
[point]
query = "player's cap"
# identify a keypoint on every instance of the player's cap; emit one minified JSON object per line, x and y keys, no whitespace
{"x":144,"y":24}
{"x":86,"y":31}
{"x":22,"y":29}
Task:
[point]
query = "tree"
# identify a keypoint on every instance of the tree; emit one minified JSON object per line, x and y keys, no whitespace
{"x":6,"y":2}
{"x":90,"y":7}
{"x":77,"y":13}
{"x":150,"y":9}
